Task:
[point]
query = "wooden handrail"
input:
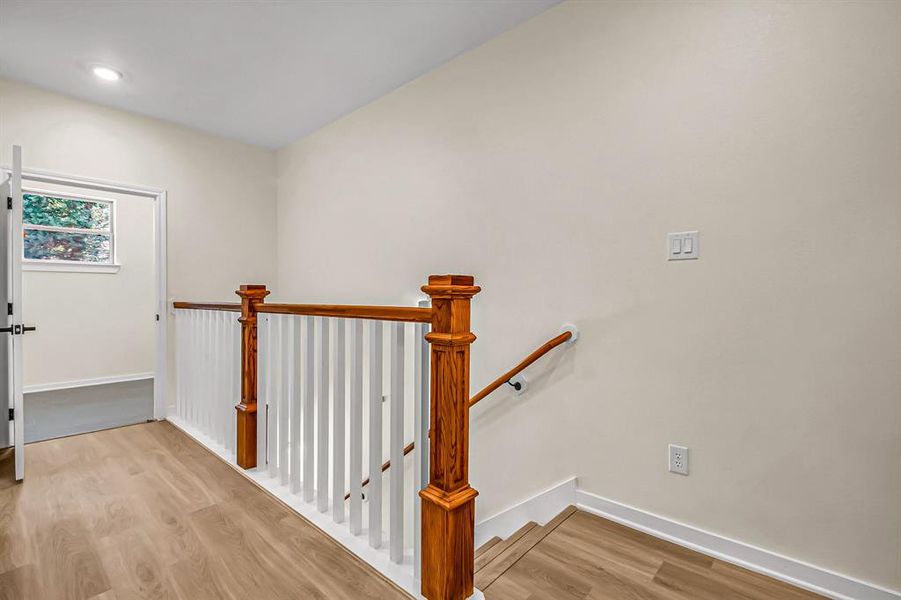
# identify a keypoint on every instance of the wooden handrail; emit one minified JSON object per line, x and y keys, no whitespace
{"x":408,"y":314}
{"x":231,"y":306}
{"x":544,"y":349}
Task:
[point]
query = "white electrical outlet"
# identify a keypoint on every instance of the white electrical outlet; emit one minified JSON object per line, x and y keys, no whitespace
{"x":678,"y":459}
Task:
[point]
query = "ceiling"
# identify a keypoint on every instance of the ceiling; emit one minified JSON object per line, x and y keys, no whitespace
{"x":265,"y":73}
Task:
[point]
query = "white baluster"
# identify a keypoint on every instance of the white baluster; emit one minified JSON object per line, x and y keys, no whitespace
{"x":236,"y":383}
{"x":196,"y":367}
{"x":218,"y":378}
{"x":263,"y":330}
{"x":201,"y":340}
{"x":295,"y":400}
{"x":273,"y":388}
{"x":322,"y":418}
{"x":188,"y":364}
{"x":210,"y":378}
{"x":225,"y":376}
{"x":284,"y":362}
{"x":179,"y":366}
{"x":396,"y":444}
{"x":228,"y":408}
{"x":421,"y":355}
{"x":197,"y":397}
{"x":375,"y":434}
{"x":193,"y":366}
{"x":356,"y":425}
{"x":199,"y":372}
{"x":309,"y":431}
{"x":180,"y":373}
{"x":207,"y":355}
{"x":213,"y":414}
{"x":338,"y":423}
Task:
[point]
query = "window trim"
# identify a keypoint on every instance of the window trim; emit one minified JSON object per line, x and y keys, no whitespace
{"x":70,"y":266}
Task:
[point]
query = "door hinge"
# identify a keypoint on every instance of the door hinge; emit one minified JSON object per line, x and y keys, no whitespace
{"x":12,"y":414}
{"x":9,"y":308}
{"x":9,"y":203}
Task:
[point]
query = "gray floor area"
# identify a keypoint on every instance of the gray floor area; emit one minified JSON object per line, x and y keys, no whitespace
{"x":60,"y":413}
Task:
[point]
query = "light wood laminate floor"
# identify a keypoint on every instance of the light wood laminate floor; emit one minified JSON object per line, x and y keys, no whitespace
{"x":579,"y":556}
{"x":145,"y":512}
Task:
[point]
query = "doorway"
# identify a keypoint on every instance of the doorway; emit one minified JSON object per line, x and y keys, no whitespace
{"x":93,"y":285}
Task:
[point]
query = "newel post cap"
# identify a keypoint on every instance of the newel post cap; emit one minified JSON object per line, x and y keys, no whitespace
{"x":451,"y":285}
{"x":451,"y":280}
{"x":252,"y":290}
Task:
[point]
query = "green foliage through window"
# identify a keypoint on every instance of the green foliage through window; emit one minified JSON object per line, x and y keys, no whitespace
{"x":65,"y":212}
{"x":62,"y":245}
{"x":67,"y":229}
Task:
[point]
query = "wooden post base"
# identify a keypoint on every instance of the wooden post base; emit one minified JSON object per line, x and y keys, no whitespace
{"x":448,"y":521}
{"x":247,"y":436}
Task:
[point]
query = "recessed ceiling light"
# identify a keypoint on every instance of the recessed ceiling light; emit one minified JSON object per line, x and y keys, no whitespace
{"x":107,"y":74}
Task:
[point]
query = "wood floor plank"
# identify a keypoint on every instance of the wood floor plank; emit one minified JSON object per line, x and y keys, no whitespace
{"x":133,"y":568}
{"x":487,"y":546}
{"x":355,"y":585}
{"x":144,"y":512}
{"x":755,"y":585}
{"x":12,"y":528}
{"x":20,"y":583}
{"x":203,"y":577}
{"x":258,"y":567}
{"x":489,"y":555}
{"x":539,"y":574}
{"x":68,"y":564}
{"x":589,"y":558}
{"x":694,"y":585}
{"x":580,"y":559}
{"x":486,"y":576}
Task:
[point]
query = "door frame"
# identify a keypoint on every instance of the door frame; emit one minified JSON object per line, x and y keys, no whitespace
{"x":159,"y":197}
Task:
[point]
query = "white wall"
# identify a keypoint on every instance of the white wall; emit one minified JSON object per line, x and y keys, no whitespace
{"x":551,"y":163}
{"x":221,"y":209}
{"x":92,"y":325}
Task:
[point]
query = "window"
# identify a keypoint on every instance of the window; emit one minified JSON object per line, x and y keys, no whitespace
{"x":60,"y":229}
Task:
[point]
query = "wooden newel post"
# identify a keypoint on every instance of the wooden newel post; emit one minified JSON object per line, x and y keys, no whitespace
{"x":251,"y":295}
{"x":448,"y":502}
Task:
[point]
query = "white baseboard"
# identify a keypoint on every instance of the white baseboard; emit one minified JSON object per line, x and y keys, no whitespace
{"x":78,"y":383}
{"x":547,"y":504}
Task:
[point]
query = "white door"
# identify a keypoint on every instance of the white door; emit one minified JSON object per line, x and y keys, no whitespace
{"x":6,"y":397}
{"x":14,"y":329}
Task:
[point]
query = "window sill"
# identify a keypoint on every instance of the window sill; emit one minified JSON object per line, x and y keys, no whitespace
{"x":68,"y":267}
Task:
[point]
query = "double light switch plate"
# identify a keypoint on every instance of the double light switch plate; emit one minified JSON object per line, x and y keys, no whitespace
{"x":682,"y":246}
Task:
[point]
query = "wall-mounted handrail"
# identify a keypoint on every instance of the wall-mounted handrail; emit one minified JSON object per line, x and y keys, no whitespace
{"x":408,"y":314}
{"x":230,"y":306}
{"x":541,"y":351}
{"x":505,"y":378}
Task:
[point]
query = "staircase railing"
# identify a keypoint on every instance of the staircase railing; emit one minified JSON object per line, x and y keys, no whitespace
{"x":282,"y":425}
